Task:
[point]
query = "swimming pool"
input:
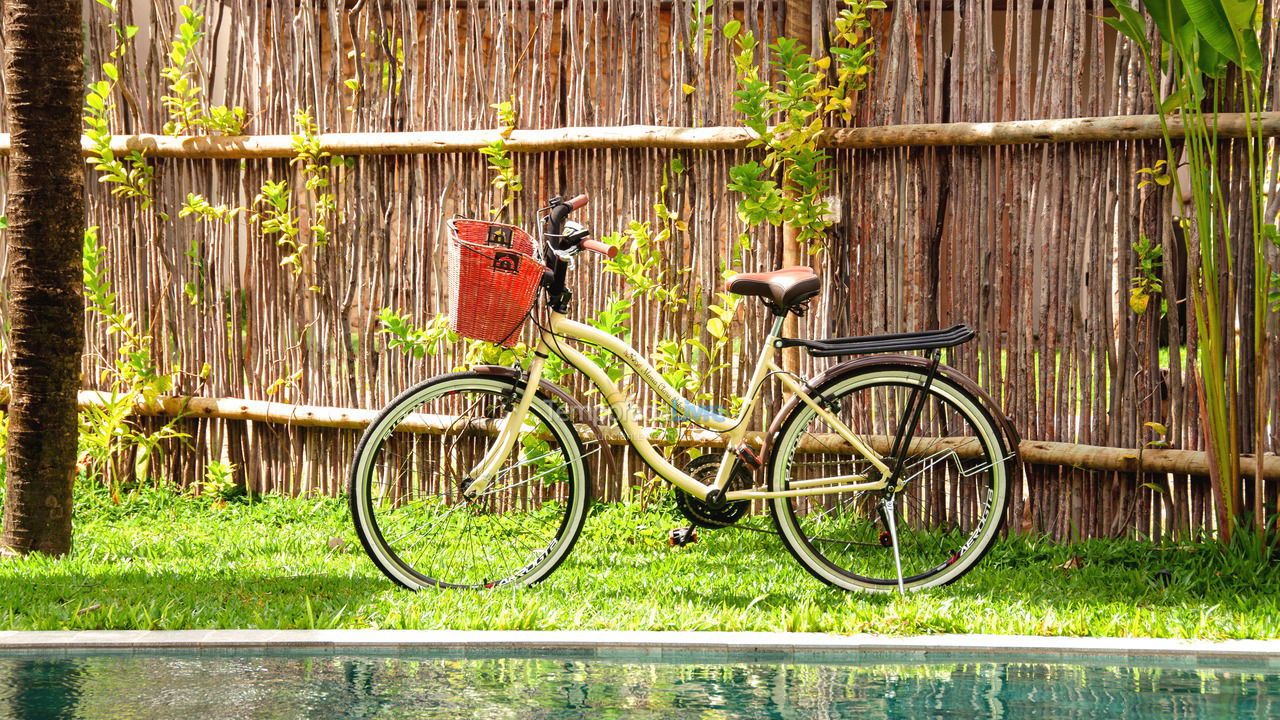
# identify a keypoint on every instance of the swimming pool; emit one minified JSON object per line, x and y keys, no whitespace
{"x":562,"y":684}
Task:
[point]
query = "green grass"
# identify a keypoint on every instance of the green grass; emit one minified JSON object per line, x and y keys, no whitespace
{"x":160,"y":561}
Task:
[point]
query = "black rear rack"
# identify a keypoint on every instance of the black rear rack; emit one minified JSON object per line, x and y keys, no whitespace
{"x":869,"y":344}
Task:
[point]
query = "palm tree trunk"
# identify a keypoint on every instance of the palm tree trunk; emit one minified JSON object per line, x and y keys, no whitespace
{"x":43,"y":79}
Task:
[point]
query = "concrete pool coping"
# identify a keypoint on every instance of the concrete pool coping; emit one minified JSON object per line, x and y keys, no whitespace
{"x":659,"y":644}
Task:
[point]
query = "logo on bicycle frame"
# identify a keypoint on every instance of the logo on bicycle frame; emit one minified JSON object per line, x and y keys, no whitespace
{"x":506,"y":262}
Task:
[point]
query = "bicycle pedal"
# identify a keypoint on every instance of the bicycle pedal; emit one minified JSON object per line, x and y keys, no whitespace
{"x":679,"y":537}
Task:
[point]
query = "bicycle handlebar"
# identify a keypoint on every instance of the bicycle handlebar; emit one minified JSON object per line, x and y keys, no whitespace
{"x":577,"y":202}
{"x":596,"y":246}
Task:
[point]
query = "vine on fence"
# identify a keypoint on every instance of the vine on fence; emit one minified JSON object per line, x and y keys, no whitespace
{"x":1147,"y":283}
{"x":131,"y":177}
{"x":113,"y":445}
{"x":506,"y":181}
{"x":188,"y":113}
{"x":790,"y":183}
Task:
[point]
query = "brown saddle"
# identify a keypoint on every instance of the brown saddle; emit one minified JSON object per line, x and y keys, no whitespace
{"x":781,"y":288}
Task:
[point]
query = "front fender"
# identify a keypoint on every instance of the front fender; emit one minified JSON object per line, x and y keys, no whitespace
{"x":1011,"y":437}
{"x":577,"y":413}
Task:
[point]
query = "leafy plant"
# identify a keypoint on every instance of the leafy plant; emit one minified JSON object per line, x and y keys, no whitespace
{"x":114,"y":445}
{"x":131,"y":177}
{"x":273,"y":208}
{"x":1199,"y":41}
{"x":419,"y":342}
{"x":436,"y":338}
{"x":185,"y":101}
{"x":1147,"y":282}
{"x":273,"y":211}
{"x":788,"y":117}
{"x":318,"y":167}
{"x":506,"y":181}
{"x":196,"y":204}
{"x":219,"y":485}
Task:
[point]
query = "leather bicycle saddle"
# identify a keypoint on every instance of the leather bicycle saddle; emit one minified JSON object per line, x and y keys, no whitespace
{"x":784,"y":288}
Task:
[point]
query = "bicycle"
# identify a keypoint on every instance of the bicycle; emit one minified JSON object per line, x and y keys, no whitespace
{"x":886,"y":472}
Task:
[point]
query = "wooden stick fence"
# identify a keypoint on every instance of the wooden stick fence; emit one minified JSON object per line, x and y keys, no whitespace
{"x":989,"y":176}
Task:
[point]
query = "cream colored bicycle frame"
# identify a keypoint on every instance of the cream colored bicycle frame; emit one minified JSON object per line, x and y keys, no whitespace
{"x":553,"y":339}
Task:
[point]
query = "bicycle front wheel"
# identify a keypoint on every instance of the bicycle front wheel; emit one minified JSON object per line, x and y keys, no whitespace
{"x":949,"y":503}
{"x":415,"y":461}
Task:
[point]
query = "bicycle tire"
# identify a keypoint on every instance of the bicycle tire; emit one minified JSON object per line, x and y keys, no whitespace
{"x":949,"y":510}
{"x":406,"y":487}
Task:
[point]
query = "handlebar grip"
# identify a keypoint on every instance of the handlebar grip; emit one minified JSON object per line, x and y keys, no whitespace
{"x":596,"y":246}
{"x":577,"y":202}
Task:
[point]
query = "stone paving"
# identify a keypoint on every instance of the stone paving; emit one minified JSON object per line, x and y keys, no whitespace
{"x":664,"y":645}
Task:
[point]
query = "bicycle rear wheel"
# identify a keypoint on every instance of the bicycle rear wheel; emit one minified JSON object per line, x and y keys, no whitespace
{"x":412,"y":467}
{"x":950,"y":502}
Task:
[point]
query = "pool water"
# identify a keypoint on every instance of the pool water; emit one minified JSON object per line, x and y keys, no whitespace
{"x":279,"y":686}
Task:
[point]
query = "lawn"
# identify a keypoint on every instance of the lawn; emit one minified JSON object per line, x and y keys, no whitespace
{"x":163,"y":561}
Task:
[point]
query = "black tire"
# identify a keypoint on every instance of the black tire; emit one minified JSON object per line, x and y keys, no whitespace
{"x":410,"y":467}
{"x":948,"y":512}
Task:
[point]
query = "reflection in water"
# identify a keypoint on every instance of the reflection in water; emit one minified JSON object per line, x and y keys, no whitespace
{"x":40,"y":689}
{"x":525,"y":688}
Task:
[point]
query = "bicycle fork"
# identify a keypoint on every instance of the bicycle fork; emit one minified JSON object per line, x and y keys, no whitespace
{"x":482,"y":475}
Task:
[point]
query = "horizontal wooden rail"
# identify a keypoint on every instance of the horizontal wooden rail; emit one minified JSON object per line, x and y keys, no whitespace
{"x":1037,"y":452}
{"x":961,"y":134}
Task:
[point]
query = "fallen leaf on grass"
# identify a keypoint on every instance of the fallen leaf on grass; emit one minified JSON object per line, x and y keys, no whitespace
{"x":1072,"y":564}
{"x":86,"y":610}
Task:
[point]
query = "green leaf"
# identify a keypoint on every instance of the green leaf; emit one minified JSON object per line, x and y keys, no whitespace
{"x":1250,"y":53}
{"x":1169,"y":16}
{"x":731,"y":29}
{"x":1241,"y":14}
{"x":1211,"y":22}
{"x":111,"y":71}
{"x":1174,"y":100}
{"x":1211,"y":62}
{"x":1130,"y":23}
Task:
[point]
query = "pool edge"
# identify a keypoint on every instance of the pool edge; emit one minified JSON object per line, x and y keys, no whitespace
{"x":659,"y":642}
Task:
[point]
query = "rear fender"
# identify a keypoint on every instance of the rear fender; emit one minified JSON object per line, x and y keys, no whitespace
{"x":817,"y":384}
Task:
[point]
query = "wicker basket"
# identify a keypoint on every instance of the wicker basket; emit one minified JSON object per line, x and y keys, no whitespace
{"x":493,"y":279}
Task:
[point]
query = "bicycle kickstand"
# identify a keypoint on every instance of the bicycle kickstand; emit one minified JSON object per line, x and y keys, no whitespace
{"x":893,"y":537}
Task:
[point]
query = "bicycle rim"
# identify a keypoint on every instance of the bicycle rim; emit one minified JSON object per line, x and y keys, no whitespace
{"x":414,"y":463}
{"x":951,"y":499}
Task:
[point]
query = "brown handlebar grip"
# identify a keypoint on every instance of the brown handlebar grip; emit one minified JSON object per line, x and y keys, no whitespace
{"x":596,"y":246}
{"x":578,"y":201}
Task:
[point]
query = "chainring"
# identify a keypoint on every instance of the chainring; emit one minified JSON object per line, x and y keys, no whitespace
{"x":703,"y":469}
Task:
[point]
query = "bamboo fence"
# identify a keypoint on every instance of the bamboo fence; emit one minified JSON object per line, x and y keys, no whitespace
{"x":952,"y":205}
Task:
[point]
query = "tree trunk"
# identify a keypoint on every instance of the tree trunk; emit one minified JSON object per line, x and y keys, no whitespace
{"x":44,"y":81}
